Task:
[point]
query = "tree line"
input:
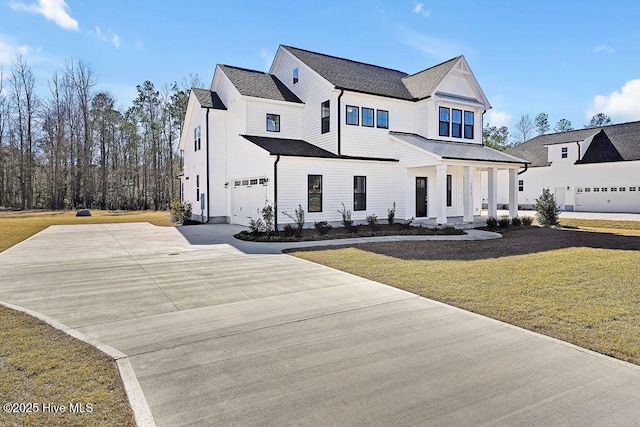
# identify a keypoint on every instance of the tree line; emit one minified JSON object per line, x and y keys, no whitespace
{"x":73,"y":147}
{"x":499,"y":137}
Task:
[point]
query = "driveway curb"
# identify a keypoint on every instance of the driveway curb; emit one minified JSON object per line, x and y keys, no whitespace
{"x":139,"y":405}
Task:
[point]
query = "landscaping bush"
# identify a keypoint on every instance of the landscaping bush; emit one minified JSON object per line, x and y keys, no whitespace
{"x":322,"y":227}
{"x":289,"y":230}
{"x":268,"y":215}
{"x":299,"y":219}
{"x":547,"y":211}
{"x":405,"y":224}
{"x":257,"y":226}
{"x":180,"y":211}
{"x":372,"y":220}
{"x":391,"y":214}
{"x":346,"y":217}
{"x":527,"y":220}
{"x":516,"y":222}
{"x":492,"y":223}
{"x":503,"y":222}
{"x":449,"y":230}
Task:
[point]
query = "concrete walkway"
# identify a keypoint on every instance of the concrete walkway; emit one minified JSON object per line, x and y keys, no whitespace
{"x":222,"y":336}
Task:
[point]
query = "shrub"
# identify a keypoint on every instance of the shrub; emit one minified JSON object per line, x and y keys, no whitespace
{"x":372,"y":220}
{"x":527,"y":220}
{"x":449,"y":230}
{"x":504,"y":221}
{"x":290,"y":231}
{"x":268,"y":215}
{"x":516,"y":222}
{"x":299,"y":219}
{"x":346,"y":217}
{"x":322,"y":227}
{"x":391,"y":214}
{"x":504,"y":207}
{"x":492,"y":223}
{"x":547,"y":210}
{"x":405,"y":224}
{"x":257,"y":226}
{"x":180,"y":211}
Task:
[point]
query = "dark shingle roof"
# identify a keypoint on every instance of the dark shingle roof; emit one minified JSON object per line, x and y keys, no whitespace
{"x":456,"y":150}
{"x":208,"y":99}
{"x":424,"y":83}
{"x":258,"y":84}
{"x":300,"y":148}
{"x":367,"y":78}
{"x":620,"y":142}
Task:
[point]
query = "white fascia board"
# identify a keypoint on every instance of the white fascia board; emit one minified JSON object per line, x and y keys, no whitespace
{"x":271,"y":101}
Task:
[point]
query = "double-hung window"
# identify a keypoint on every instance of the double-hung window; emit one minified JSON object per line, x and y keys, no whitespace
{"x":382,"y":119}
{"x":359,"y":193}
{"x":273,"y":122}
{"x":325,"y":116}
{"x":456,"y":123}
{"x":367,"y":117}
{"x":565,"y":152}
{"x":468,"y":124}
{"x":314,"y":193}
{"x":352,"y":115}
{"x":444,"y":121}
{"x":196,"y":138}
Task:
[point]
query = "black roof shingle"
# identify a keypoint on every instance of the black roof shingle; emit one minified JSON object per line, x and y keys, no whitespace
{"x":258,"y":84}
{"x":208,"y":99}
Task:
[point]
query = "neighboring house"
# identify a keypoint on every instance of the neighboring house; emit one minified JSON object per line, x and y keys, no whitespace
{"x":321,"y":131}
{"x":591,"y":170}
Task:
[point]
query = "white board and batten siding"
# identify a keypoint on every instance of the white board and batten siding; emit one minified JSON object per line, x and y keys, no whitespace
{"x":313,"y":90}
{"x":337,"y":187}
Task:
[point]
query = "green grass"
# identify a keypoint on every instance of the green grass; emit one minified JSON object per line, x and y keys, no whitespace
{"x":40,"y":364}
{"x":18,"y":226}
{"x":580,"y":286}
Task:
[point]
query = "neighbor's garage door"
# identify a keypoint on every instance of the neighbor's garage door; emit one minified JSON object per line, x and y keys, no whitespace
{"x":608,"y":199}
{"x":248,"y":196}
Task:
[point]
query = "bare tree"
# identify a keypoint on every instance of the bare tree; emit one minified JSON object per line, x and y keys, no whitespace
{"x":524,"y":128}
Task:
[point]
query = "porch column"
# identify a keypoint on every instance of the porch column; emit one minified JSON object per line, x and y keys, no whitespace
{"x":441,"y":194}
{"x":513,"y":193}
{"x":467,"y":193}
{"x":492,"y":202}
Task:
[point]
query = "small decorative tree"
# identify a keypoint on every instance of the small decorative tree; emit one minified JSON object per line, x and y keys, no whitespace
{"x":299,"y":219}
{"x":268,"y":216}
{"x":547,"y":211}
{"x":346,"y":217}
{"x":391,"y":214}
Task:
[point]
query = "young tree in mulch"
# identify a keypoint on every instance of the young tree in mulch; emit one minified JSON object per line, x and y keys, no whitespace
{"x":547,"y":211}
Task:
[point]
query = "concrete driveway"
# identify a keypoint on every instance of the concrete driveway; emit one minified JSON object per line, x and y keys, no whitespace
{"x":218,"y":336}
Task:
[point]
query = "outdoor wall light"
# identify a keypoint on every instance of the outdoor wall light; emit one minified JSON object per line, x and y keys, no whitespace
{"x":226,"y":184}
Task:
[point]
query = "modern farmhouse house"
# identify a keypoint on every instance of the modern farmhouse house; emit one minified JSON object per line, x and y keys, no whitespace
{"x":591,"y":170}
{"x":321,"y":131}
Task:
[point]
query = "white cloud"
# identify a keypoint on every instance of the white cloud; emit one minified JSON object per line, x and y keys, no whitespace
{"x":621,"y":105}
{"x":53,"y":10}
{"x":9,"y":51}
{"x":268,"y":58}
{"x":603,"y":48}
{"x":432,"y":46}
{"x":499,"y":118}
{"x":420,"y":9}
{"x":109,"y":37}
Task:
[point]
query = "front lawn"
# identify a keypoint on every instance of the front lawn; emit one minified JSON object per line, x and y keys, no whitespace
{"x":42,"y":365}
{"x":581,"y":286}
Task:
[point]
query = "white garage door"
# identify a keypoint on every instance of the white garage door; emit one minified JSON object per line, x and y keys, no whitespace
{"x":608,"y":199}
{"x":247,"y":198}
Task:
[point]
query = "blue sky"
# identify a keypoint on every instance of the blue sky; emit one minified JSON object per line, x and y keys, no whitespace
{"x":570,"y":59}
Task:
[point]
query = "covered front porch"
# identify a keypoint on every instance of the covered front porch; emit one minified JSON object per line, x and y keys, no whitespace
{"x":450,"y":192}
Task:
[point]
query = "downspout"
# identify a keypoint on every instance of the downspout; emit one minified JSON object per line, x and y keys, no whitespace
{"x":526,"y":166}
{"x":275,"y":193}
{"x":339,"y":122}
{"x":578,"y":142}
{"x":207,"y":154}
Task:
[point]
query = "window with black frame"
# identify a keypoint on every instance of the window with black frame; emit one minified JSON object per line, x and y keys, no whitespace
{"x":352,"y":115}
{"x":444,"y":121}
{"x":273,"y":123}
{"x":359,"y":193}
{"x":456,"y":123}
{"x":314,"y":193}
{"x":468,"y":124}
{"x":382,"y":117}
{"x":367,"y":117}
{"x":325,"y":116}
